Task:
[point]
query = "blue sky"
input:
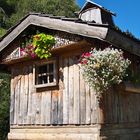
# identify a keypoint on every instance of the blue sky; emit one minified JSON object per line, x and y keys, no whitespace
{"x":128,"y":13}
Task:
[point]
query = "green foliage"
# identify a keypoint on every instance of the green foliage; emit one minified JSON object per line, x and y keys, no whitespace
{"x":10,"y":10}
{"x":2,"y":32}
{"x":43,"y":43}
{"x":7,"y":8}
{"x":38,"y":45}
{"x":4,"y":105}
{"x":2,"y":17}
{"x":55,"y":7}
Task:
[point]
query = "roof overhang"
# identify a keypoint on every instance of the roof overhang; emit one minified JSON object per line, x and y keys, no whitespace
{"x":55,"y":24}
{"x":122,"y":41}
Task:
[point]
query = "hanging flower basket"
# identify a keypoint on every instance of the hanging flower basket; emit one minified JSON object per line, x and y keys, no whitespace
{"x":40,"y":46}
{"x":103,"y":68}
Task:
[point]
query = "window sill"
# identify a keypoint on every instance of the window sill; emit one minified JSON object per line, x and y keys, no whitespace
{"x":46,"y":85}
{"x":133,"y":88}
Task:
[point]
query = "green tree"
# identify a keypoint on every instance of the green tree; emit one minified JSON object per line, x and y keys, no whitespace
{"x":7,"y":7}
{"x":2,"y":16}
{"x":2,"y":32}
{"x":4,"y":105}
{"x":55,"y":7}
{"x":13,"y":10}
{"x":2,"y":21}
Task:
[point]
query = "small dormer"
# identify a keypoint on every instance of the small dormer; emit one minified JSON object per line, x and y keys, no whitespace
{"x":92,"y":12}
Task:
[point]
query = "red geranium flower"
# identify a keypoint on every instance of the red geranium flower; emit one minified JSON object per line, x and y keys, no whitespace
{"x":88,"y":54}
{"x":85,"y":61}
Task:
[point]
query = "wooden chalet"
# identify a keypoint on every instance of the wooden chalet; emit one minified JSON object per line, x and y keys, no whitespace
{"x":57,"y":104}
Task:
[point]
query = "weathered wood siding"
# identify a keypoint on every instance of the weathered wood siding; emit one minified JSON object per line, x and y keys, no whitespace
{"x":72,"y":103}
{"x":92,"y":15}
{"x":119,"y":106}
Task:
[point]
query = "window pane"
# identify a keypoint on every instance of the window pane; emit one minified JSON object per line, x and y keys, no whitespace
{"x":42,"y":69}
{"x":51,"y":78}
{"x":44,"y":74}
{"x":44,"y":79}
{"x":39,"y":80}
{"x":51,"y":68}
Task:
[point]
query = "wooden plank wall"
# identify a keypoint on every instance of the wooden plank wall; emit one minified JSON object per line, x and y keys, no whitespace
{"x":70,"y":104}
{"x":120,"y":107}
{"x":73,"y":103}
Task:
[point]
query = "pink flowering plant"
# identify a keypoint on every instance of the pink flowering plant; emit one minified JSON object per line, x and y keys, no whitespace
{"x":28,"y":51}
{"x":103,"y":68}
{"x":40,"y":46}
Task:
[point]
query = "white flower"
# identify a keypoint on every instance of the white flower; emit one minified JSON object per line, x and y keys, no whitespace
{"x":104,"y":68}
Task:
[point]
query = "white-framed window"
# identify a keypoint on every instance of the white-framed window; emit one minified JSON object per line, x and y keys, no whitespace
{"x":45,"y":74}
